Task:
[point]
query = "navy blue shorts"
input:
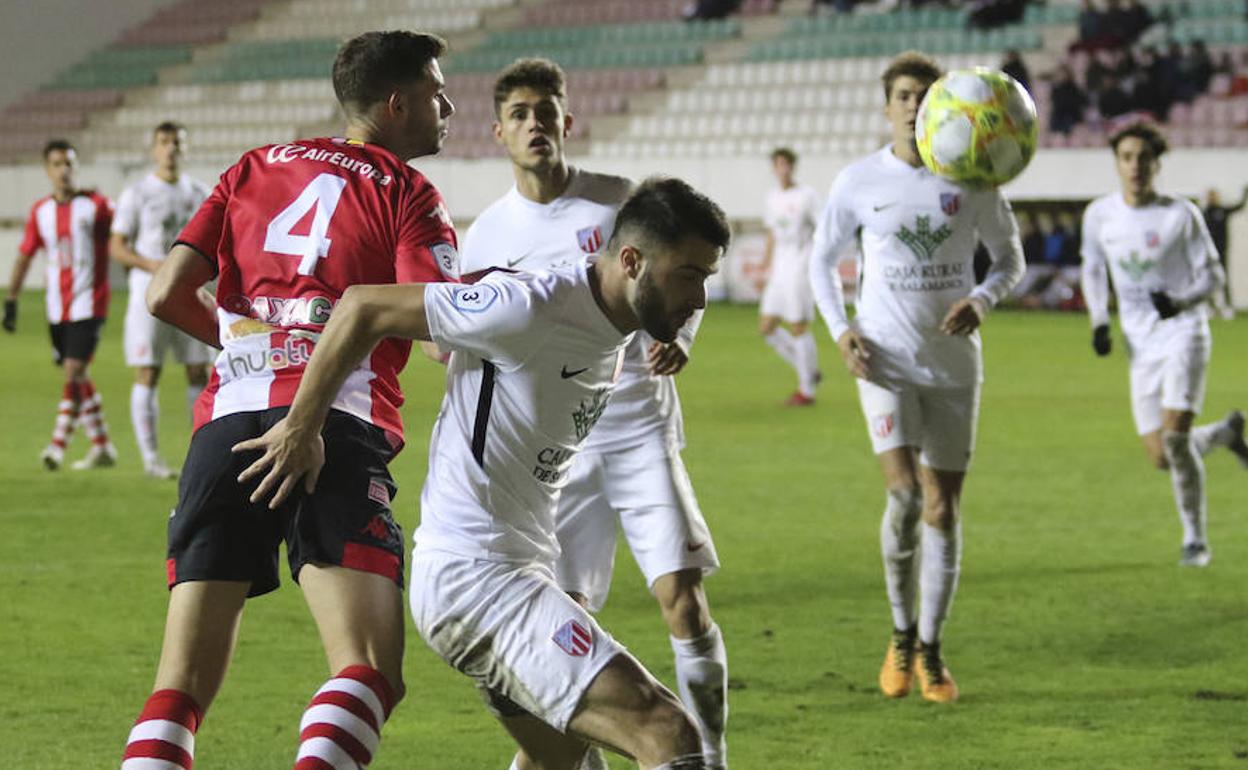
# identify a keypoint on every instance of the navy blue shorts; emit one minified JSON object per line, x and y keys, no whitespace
{"x":215,"y":533}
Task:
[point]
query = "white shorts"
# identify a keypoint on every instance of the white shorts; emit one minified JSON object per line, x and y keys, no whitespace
{"x":788,"y":295}
{"x":511,"y":629}
{"x":148,"y":339}
{"x":940,"y":422}
{"x":648,"y":491}
{"x":1175,"y":381}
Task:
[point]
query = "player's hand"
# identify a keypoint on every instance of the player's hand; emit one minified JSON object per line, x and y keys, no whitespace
{"x":855,"y":354}
{"x":10,"y":315}
{"x":1101,"y":342}
{"x":964,"y":317}
{"x":666,"y":358}
{"x":289,"y":456}
{"x":1166,"y":307}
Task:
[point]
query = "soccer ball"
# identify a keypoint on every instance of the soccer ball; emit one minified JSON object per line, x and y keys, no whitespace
{"x":976,"y":127}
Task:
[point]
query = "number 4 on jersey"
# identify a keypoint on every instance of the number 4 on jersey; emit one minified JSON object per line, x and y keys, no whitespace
{"x":322,"y":192}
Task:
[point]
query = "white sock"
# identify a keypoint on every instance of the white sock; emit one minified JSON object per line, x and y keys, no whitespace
{"x":942,"y":562}
{"x":192,"y":395}
{"x":515,"y":763}
{"x":702,"y":678}
{"x":144,"y":417}
{"x":1187,"y":474}
{"x":899,"y":545}
{"x":783,"y":343}
{"x":807,"y":362}
{"x":1210,"y":436}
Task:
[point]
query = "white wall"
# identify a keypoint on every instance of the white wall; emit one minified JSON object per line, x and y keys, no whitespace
{"x":737,"y":184}
{"x":40,"y":38}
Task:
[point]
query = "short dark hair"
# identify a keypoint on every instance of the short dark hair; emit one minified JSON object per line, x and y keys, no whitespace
{"x":665,"y":210}
{"x":57,"y":145}
{"x":915,"y":64}
{"x":168,"y":127}
{"x":370,"y":66}
{"x":1149,"y":133}
{"x":539,"y":74}
{"x":786,"y":153}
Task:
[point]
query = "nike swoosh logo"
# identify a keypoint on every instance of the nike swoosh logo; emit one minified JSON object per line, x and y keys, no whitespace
{"x":691,"y":547}
{"x":517,"y":260}
{"x":569,"y":375}
{"x":882,"y":206}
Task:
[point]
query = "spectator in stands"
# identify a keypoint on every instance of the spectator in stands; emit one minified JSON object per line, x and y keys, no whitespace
{"x":1098,"y":69}
{"x":703,"y":10}
{"x":1135,"y":19}
{"x":1037,"y":274}
{"x":1181,"y":66}
{"x":1216,"y":216}
{"x":1152,"y":90}
{"x":985,"y":14}
{"x":1091,"y":24}
{"x":1067,"y":100}
{"x":1117,"y":25}
{"x":1113,"y":101}
{"x":1200,"y":65}
{"x":1014,"y":66}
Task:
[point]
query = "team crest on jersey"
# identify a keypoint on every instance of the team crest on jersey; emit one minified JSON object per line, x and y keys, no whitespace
{"x":574,"y":639}
{"x":882,"y":426}
{"x":1152,"y":239}
{"x":589,"y":239}
{"x":923,"y":241}
{"x":475,"y":298}
{"x":950,"y":203}
{"x":1136,"y":267}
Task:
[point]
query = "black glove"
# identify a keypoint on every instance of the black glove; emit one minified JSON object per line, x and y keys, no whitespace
{"x":10,"y":315}
{"x":1100,"y":340}
{"x":1166,"y":308}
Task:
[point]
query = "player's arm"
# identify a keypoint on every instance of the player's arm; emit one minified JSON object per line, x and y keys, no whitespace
{"x":20,"y":267}
{"x":670,"y":357}
{"x":999,"y":231}
{"x":1094,"y":281}
{"x":1208,"y":277}
{"x":175,"y":294}
{"x":120,"y":250}
{"x":292,"y":450}
{"x":769,"y":247}
{"x":837,"y":225}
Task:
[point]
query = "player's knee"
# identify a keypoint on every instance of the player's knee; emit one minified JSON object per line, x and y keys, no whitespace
{"x":666,"y":731}
{"x":940,"y":512}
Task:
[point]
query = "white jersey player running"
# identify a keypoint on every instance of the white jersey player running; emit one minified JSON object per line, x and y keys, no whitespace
{"x":150,"y":214}
{"x":787,"y":305}
{"x":915,"y":349}
{"x":629,"y":470}
{"x":534,"y":360}
{"x":1165,"y":268}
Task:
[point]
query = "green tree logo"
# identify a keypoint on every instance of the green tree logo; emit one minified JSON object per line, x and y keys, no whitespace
{"x":923,"y":240}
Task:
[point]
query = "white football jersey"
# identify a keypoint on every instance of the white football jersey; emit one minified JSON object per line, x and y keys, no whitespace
{"x":533,"y":363}
{"x":517,"y":233}
{"x":791,"y":215}
{"x":917,"y":236}
{"x":151,"y":212}
{"x":1162,"y":246}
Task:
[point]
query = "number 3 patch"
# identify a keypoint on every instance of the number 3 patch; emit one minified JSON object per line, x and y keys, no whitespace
{"x":447,"y":258}
{"x":474,"y":299}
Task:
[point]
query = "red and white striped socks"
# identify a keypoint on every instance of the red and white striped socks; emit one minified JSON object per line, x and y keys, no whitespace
{"x":92,"y":414}
{"x":342,"y":726}
{"x":163,"y":737}
{"x":67,"y":414}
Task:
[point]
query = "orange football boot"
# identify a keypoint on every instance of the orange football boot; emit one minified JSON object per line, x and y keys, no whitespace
{"x":935,"y":680}
{"x":898,"y":670}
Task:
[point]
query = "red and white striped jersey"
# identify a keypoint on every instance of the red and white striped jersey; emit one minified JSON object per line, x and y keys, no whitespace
{"x":290,"y":227}
{"x":74,"y":235}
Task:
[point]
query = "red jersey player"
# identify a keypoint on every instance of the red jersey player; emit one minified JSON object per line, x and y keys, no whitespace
{"x":71,"y":227}
{"x":286,"y":231}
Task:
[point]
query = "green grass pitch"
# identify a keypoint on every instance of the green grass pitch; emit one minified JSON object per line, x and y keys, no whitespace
{"x":1077,"y":640}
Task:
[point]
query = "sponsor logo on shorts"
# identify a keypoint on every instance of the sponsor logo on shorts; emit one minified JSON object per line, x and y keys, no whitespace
{"x":882,"y":426}
{"x":574,"y":639}
{"x":377,"y":492}
{"x":376,"y":528}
